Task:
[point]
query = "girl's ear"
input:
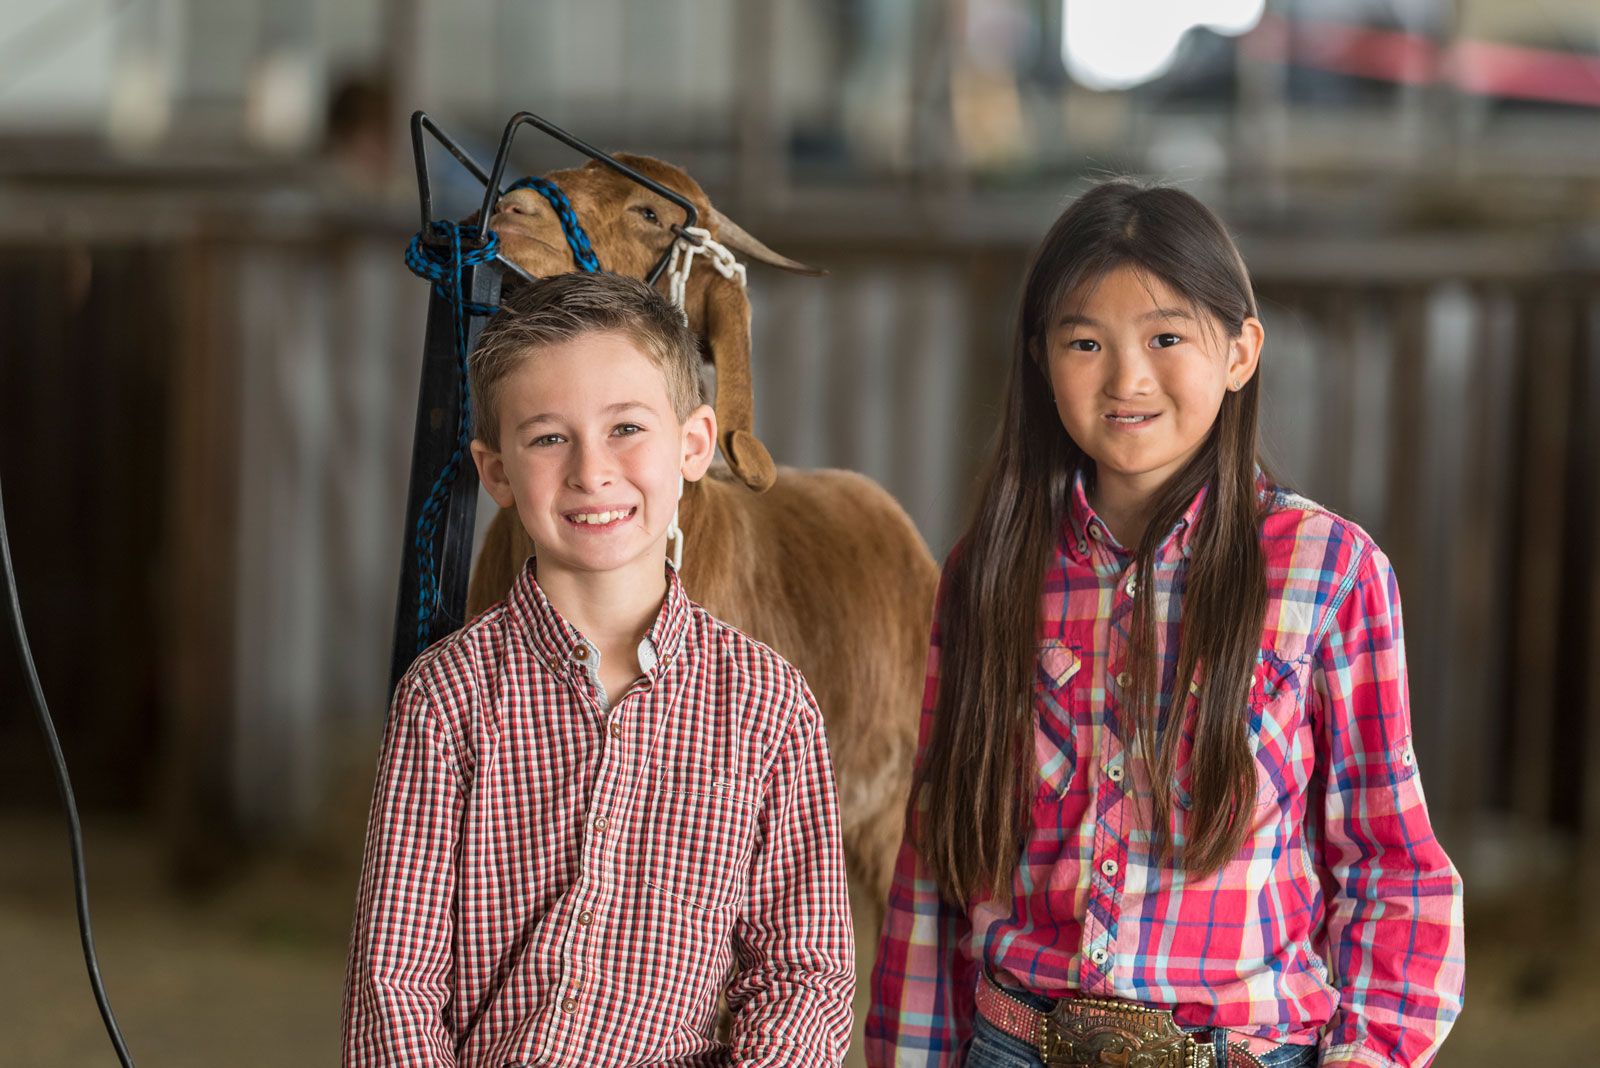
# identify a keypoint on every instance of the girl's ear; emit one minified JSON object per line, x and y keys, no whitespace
{"x":1244,"y":352}
{"x":699,"y":442}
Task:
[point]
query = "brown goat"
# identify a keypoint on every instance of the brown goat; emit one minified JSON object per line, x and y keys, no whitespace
{"x":824,"y":566}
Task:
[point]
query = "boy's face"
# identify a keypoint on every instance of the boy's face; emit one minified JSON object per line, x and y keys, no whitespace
{"x":590,"y":455}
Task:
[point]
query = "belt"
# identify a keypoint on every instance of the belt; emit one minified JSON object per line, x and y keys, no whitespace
{"x":1092,"y":1033}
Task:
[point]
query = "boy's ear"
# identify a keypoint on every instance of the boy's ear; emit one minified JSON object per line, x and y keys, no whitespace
{"x":699,"y":442}
{"x":492,"y":473}
{"x":1244,"y":351}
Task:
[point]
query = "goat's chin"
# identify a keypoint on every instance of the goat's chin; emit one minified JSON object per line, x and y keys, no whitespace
{"x":533,"y":254}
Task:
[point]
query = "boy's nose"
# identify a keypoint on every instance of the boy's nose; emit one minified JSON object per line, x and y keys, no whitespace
{"x":591,"y":469}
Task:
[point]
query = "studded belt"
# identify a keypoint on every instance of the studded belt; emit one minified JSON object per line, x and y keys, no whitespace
{"x":1093,"y":1033}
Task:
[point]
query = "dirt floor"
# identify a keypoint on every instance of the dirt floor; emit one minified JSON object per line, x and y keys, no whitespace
{"x":250,"y":975}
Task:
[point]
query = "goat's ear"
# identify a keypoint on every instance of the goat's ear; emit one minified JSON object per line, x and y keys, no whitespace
{"x":727,"y":330}
{"x":732,"y":234}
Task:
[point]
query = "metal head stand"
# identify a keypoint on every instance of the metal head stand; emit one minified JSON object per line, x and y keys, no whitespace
{"x":441,"y":500}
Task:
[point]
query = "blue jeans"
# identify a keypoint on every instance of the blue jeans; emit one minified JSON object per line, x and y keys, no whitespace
{"x":993,"y":1048}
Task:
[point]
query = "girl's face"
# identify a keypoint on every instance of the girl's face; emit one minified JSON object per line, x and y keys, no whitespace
{"x":1139,"y":377}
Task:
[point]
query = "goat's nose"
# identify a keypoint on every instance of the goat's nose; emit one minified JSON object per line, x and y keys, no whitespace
{"x":510,"y":207}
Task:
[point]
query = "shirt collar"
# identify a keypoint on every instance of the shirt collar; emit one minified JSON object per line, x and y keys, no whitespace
{"x":557,"y":642}
{"x":1084,"y":527}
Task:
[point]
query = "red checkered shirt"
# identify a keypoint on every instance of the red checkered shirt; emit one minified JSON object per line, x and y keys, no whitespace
{"x":1339,"y":921}
{"x":546,"y":883}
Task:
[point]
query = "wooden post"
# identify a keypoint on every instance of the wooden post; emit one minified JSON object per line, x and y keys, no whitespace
{"x":1544,"y":374}
{"x":1476,"y":645}
{"x":203,"y":518}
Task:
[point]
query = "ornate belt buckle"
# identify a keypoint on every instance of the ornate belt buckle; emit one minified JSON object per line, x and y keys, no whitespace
{"x":1097,"y":1034}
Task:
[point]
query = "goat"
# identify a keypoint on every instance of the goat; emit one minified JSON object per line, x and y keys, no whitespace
{"x":823,"y":566}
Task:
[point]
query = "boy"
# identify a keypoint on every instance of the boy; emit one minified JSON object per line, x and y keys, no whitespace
{"x":595,"y":798}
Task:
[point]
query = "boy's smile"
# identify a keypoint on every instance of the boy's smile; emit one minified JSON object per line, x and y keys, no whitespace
{"x":590,"y":456}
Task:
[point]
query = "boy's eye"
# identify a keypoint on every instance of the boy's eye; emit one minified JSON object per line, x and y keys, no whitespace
{"x":1083,"y":344}
{"x":623,"y":429}
{"x":548,"y":439}
{"x":1165,"y":341}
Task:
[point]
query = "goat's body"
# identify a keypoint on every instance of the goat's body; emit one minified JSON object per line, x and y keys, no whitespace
{"x":827,"y":569}
{"x":823,"y":566}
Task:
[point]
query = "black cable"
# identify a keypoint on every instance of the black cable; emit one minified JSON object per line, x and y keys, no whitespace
{"x":64,"y":786}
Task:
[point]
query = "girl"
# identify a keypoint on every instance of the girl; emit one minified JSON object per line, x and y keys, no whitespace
{"x":1165,"y":811}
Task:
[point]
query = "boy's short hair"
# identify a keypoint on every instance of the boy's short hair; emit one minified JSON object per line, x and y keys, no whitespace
{"x":561,"y":307}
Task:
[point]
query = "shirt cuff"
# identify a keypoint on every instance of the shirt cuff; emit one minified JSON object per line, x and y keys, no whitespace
{"x":1353,"y":1056}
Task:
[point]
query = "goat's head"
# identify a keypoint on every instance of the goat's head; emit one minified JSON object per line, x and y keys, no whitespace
{"x":629,"y":228}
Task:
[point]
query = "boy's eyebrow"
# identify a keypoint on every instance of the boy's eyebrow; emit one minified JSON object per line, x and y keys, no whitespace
{"x":610,"y":409}
{"x":1072,"y":319}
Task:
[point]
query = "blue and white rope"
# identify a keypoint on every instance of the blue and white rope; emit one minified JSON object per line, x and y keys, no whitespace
{"x":441,"y":262}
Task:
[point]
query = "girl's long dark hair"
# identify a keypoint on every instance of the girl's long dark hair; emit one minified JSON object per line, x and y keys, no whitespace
{"x":976,"y":782}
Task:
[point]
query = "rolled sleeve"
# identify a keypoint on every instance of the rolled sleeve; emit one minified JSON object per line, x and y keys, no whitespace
{"x":1394,"y":900}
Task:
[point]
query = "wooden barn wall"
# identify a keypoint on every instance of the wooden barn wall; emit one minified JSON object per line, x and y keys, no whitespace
{"x":1452,"y":414}
{"x":86,"y":343}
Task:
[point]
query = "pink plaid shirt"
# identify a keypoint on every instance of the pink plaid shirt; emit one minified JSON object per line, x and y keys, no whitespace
{"x":1339,"y":921}
{"x":547,"y":883}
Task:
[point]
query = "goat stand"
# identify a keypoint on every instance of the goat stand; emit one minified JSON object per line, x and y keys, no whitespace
{"x":438,"y":430}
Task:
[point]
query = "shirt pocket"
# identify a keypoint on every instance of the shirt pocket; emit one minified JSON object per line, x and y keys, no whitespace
{"x":1273,"y":712}
{"x":700,"y":835}
{"x":1057,"y":695}
{"x":1277,"y":714}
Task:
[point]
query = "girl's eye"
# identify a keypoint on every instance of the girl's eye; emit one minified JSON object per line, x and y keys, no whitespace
{"x":1166,"y":341}
{"x":1083,"y":344}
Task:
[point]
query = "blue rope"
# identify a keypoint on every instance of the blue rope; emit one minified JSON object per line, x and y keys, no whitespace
{"x":441,"y":262}
{"x":577,"y":240}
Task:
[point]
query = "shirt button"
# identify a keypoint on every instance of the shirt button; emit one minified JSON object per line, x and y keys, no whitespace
{"x":1083,"y":547}
{"x":1408,"y":758}
{"x":585,"y":918}
{"x":616,"y":730}
{"x":601,"y":824}
{"x":1132,"y":587}
{"x":1094,"y":531}
{"x":1099,"y":956}
{"x":1114,"y":773}
{"x":1123,"y":678}
{"x":581,"y":652}
{"x":1108,"y":867}
{"x":568,"y":1005}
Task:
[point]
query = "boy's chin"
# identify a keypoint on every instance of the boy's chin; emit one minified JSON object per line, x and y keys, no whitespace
{"x":598,"y":561}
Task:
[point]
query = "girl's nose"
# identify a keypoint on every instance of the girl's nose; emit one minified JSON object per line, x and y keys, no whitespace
{"x":1128,"y":375}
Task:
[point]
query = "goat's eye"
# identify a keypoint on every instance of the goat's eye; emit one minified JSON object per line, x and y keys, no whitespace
{"x":648,"y":212}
